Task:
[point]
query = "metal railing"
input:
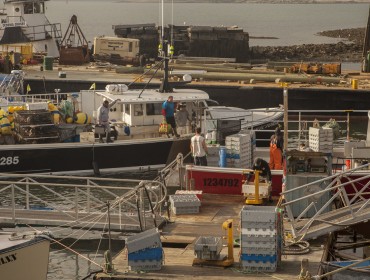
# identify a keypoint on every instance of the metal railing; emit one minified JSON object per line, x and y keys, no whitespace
{"x":77,"y":201}
{"x":350,"y":190}
{"x":42,"y":32}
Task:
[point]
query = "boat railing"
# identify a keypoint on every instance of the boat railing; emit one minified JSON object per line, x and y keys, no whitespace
{"x":45,"y":31}
{"x":12,"y":21}
{"x":348,"y":201}
{"x":173,"y":173}
{"x":55,"y":98}
{"x":11,"y":84}
{"x":299,"y":122}
{"x":80,"y":201}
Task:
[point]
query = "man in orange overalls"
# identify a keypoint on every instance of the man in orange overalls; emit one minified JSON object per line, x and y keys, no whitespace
{"x":276,"y":150}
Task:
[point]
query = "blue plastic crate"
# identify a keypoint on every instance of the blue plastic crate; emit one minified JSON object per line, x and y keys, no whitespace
{"x":258,"y":258}
{"x":147,"y":254}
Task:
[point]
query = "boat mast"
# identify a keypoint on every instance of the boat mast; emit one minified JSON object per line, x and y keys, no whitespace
{"x":164,"y":47}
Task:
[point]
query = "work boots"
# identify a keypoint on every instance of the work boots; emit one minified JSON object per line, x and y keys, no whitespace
{"x":108,"y":140}
{"x":174,"y":132}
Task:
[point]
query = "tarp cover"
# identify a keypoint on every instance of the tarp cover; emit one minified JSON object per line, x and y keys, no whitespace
{"x":14,"y":35}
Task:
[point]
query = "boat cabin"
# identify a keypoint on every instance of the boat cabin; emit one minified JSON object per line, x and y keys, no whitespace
{"x":24,"y":22}
{"x":19,"y":13}
{"x":140,"y":110}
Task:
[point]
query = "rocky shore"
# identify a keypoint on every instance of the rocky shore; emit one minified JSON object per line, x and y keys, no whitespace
{"x":349,"y":49}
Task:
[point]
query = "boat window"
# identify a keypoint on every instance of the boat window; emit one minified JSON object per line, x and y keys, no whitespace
{"x":153,"y":109}
{"x":130,"y":47}
{"x":28,"y":8}
{"x":138,"y":110}
{"x":16,"y":10}
{"x":36,"y":8}
{"x":127,"y":109}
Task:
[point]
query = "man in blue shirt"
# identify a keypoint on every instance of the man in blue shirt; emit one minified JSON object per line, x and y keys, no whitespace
{"x":168,"y":112}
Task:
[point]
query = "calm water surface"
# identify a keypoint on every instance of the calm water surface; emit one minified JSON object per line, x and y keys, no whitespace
{"x":290,"y":23}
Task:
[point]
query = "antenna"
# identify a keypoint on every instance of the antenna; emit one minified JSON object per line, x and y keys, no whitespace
{"x":162,"y":21}
{"x":172,"y":25}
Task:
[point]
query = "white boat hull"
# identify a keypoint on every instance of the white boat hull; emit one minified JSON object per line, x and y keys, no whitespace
{"x":25,"y":260}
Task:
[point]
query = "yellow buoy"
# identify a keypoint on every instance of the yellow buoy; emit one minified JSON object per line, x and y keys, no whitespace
{"x":82,"y":118}
{"x":5,"y":125}
{"x":69,"y":120}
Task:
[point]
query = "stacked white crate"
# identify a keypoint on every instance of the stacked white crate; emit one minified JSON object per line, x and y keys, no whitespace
{"x":213,"y":156}
{"x":261,"y":238}
{"x":145,"y":251}
{"x":321,"y":139}
{"x":239,"y":150}
{"x":208,"y":247}
{"x":184,"y":204}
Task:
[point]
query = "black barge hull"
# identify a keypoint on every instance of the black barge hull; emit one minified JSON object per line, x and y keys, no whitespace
{"x":247,"y":97}
{"x":85,"y":158}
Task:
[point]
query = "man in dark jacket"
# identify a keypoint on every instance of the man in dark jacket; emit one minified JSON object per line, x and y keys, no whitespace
{"x":262,"y":166}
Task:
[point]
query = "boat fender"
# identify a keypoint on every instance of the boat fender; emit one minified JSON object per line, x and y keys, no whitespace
{"x":127,"y":131}
{"x":214,"y":137}
{"x":82,"y":118}
{"x":96,"y":168}
{"x":56,"y":116}
{"x":222,"y":155}
{"x":108,"y":262}
{"x":5,"y":125}
{"x":209,"y":137}
{"x":118,"y":88}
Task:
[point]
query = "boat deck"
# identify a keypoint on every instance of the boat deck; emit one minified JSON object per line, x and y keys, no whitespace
{"x":180,"y":234}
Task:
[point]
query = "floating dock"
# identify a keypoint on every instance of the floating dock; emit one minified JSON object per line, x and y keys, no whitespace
{"x":178,"y":238}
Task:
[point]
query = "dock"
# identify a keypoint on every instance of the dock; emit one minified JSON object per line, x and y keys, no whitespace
{"x":180,"y":233}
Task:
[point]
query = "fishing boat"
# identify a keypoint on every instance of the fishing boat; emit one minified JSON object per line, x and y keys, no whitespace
{"x":136,"y":118}
{"x":24,"y":256}
{"x":24,"y":25}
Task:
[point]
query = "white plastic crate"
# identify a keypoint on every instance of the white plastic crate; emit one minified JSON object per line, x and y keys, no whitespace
{"x":146,"y":239}
{"x":251,"y":266}
{"x":87,"y":137}
{"x":258,"y":232}
{"x":185,"y":210}
{"x":213,"y":150}
{"x":259,"y":213}
{"x":259,"y":250}
{"x":37,"y":106}
{"x":146,"y":265}
{"x":249,"y":189}
{"x":208,"y":247}
{"x":188,"y":200}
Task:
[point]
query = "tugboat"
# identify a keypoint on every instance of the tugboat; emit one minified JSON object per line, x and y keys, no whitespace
{"x":24,"y":24}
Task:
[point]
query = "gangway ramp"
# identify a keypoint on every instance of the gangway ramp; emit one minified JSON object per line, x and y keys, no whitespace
{"x":80,"y":202}
{"x":349,"y":204}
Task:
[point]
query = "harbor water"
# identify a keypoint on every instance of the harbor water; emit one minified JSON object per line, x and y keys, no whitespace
{"x":290,"y":24}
